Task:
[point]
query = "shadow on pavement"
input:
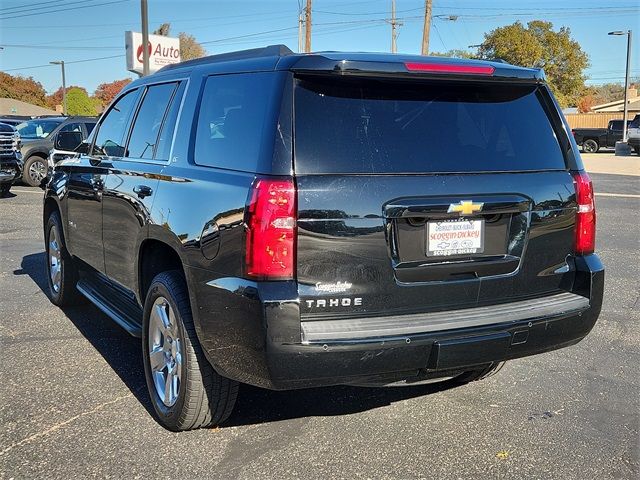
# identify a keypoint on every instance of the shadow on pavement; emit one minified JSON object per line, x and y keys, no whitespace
{"x":254,"y":405}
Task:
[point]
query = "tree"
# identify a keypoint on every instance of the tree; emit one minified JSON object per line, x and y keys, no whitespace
{"x":56,"y":98}
{"x":189,"y":47}
{"x":106,"y":92}
{"x":23,"y":89}
{"x":538,"y":45}
{"x":79,"y":103}
{"x":454,"y":54}
{"x":586,"y":103}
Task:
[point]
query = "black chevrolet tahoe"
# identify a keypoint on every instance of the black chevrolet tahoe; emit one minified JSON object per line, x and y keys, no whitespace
{"x":300,"y":220}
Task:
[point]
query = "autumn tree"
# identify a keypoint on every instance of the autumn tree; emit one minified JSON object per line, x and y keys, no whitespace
{"x":79,"y":103}
{"x":106,"y":92}
{"x":538,"y":45}
{"x":189,"y":47}
{"x":23,"y":89}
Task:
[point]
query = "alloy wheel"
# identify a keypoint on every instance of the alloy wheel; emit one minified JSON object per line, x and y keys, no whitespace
{"x":165,"y":351}
{"x":37,"y":171}
{"x":55,"y":260}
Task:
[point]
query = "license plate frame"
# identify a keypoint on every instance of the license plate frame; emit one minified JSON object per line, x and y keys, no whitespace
{"x":455,"y":238}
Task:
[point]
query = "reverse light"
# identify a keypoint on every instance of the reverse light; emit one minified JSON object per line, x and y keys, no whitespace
{"x":271,"y":223}
{"x":585,"y":239}
{"x":449,"y":68}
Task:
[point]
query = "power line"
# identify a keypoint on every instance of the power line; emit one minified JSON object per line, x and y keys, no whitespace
{"x":62,"y":10}
{"x":30,"y":4}
{"x":66,"y":63}
{"x":39,"y":7}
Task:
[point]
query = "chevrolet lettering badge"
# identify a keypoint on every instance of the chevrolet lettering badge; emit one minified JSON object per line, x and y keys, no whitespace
{"x":465,"y":207}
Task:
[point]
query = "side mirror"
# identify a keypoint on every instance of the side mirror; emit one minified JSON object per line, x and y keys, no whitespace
{"x":68,"y":141}
{"x":83,"y":148}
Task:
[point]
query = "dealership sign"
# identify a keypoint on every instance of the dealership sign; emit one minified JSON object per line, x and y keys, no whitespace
{"x":162,"y":51}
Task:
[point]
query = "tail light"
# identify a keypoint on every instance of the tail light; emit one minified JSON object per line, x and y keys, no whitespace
{"x":449,"y":68}
{"x":585,"y":240}
{"x":271,"y":236}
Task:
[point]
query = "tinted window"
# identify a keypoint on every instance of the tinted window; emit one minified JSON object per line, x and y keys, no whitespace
{"x":236,"y":123}
{"x":37,"y":128}
{"x":89,"y":127}
{"x":112,"y":129}
{"x":72,"y":127}
{"x":146,"y":128}
{"x":348,"y":126}
{"x":163,"y":150}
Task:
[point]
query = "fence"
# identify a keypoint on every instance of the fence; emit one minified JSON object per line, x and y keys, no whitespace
{"x":593,"y":120}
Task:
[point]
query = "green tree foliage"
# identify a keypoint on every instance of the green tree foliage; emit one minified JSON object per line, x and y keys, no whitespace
{"x":23,"y":89}
{"x":56,"y":98}
{"x":79,"y":103}
{"x":538,"y":45}
{"x":189,"y":47}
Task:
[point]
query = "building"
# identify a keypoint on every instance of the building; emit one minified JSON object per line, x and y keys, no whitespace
{"x":633,"y":104}
{"x":9,"y":106}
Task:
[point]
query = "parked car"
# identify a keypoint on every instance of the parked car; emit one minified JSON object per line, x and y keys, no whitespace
{"x":633,"y":133}
{"x":39,"y":137}
{"x":13,"y":120}
{"x":593,"y":139}
{"x":10,"y":158}
{"x":300,"y":220}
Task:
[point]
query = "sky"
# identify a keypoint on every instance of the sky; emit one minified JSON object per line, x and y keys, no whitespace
{"x":36,"y":32}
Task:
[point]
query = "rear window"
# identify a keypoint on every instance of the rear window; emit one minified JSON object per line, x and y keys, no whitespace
{"x":347,"y":126}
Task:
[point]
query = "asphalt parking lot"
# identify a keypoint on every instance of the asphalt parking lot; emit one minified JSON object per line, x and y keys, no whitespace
{"x":74,"y":401}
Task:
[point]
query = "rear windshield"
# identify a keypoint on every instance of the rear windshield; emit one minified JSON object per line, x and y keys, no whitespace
{"x":356,"y":126}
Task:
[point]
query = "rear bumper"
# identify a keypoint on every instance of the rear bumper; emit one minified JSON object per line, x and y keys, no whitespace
{"x":275,"y":351}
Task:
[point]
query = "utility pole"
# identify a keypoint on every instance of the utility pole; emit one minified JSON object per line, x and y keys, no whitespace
{"x":300,"y":23}
{"x":144,"y":14}
{"x":64,"y":86}
{"x":394,"y":27}
{"x":307,"y":40}
{"x":428,"y":4}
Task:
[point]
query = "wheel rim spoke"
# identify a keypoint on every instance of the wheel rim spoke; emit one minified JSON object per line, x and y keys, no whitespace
{"x":165,"y":351}
{"x":157,"y":360}
{"x":55,"y":262}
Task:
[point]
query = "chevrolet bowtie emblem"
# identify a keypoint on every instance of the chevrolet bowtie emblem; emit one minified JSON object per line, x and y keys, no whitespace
{"x":465,"y":207}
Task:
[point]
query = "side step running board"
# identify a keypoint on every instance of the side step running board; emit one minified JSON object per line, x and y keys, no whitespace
{"x":125,"y":316}
{"x":364,"y":328}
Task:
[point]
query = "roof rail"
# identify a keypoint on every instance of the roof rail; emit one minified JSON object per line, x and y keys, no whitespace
{"x":269,"y":51}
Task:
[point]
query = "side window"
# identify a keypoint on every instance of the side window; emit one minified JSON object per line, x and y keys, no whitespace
{"x":237,"y":119}
{"x":71,"y":127}
{"x":163,"y":150}
{"x":89,"y":127}
{"x":146,"y":127}
{"x":112,"y":130}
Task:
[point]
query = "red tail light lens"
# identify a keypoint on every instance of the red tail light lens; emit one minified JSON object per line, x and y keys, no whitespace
{"x":271,"y":223}
{"x":585,"y":241}
{"x":450,"y":68}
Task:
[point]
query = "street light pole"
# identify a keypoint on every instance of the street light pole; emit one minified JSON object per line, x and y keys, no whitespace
{"x":144,"y":14}
{"x":64,"y":86}
{"x":626,"y":83}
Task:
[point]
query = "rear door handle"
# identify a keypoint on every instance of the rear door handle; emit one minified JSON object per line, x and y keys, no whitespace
{"x":142,"y":191}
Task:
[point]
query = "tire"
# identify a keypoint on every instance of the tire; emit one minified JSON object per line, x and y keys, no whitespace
{"x":62,"y":275}
{"x":475,"y":375}
{"x":4,"y":189}
{"x":199,"y":397}
{"x":35,"y":170}
{"x":590,"y":146}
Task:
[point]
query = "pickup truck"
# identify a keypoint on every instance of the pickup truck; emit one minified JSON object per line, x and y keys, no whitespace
{"x":593,"y":139}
